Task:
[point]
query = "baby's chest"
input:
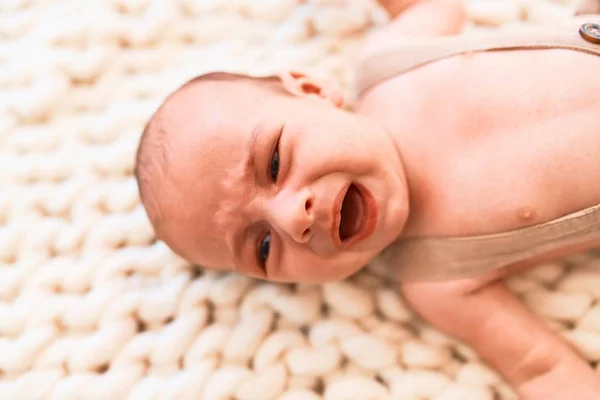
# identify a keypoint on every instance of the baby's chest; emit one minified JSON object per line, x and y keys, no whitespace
{"x":500,"y":184}
{"x":507,"y":146}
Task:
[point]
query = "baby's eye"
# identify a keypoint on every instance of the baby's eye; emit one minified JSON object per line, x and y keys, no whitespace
{"x":274,"y":170}
{"x":263,"y":250}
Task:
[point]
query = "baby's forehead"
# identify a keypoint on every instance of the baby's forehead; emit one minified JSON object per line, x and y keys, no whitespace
{"x":208,"y":167}
{"x":209,"y":211}
{"x":204,"y":205}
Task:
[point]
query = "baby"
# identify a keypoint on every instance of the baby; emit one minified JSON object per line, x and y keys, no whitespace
{"x":451,"y":137}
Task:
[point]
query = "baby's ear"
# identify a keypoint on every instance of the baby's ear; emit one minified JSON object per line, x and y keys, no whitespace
{"x":301,"y":84}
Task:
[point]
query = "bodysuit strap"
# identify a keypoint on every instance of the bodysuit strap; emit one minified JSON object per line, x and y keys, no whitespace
{"x":450,"y":258}
{"x":411,"y":53}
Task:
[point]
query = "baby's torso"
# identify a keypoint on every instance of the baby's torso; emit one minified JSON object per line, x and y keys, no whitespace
{"x":503,"y":140}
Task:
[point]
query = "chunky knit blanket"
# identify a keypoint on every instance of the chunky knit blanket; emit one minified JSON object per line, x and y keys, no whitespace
{"x":93,"y":307}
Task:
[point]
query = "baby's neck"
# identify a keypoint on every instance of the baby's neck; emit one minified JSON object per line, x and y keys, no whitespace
{"x":423,"y":169}
{"x":422,"y":177}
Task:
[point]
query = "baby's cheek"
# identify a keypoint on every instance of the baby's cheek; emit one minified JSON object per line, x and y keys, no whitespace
{"x":303,"y":269}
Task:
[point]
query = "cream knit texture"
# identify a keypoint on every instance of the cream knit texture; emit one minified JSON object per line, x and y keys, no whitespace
{"x":93,"y":307}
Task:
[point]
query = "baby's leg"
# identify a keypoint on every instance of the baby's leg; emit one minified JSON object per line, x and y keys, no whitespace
{"x":510,"y":338}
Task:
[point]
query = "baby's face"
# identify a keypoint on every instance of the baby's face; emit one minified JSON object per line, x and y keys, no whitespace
{"x":285,"y":188}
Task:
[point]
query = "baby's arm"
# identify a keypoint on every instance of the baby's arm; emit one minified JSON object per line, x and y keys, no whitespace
{"x":424,"y":18}
{"x":416,"y":18}
{"x":489,"y":318}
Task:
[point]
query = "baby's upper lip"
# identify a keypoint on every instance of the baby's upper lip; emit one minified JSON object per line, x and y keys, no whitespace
{"x":337,"y":215}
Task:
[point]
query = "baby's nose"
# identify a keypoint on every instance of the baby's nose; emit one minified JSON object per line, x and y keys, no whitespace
{"x":292,"y":213}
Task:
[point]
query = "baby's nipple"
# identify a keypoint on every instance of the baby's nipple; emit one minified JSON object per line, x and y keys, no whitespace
{"x":526,"y":215}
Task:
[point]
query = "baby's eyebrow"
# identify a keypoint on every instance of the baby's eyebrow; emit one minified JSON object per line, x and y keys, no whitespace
{"x":249,"y":164}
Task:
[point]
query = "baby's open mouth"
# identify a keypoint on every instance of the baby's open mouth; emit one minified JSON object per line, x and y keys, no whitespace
{"x":351,"y":214}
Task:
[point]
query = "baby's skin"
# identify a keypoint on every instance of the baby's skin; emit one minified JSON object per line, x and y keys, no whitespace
{"x":274,"y":179}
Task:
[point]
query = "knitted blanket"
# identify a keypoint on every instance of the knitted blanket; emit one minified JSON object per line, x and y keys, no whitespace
{"x":93,"y":307}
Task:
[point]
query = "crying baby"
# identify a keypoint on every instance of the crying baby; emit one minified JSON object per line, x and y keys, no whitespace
{"x":457,"y":156}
